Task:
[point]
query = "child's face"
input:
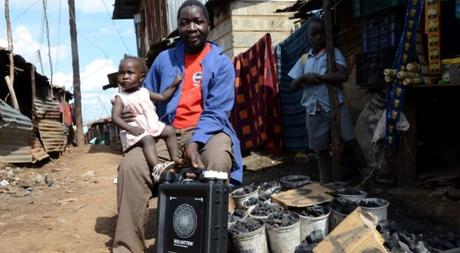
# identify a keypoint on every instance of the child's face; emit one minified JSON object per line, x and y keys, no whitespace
{"x":129,"y":75}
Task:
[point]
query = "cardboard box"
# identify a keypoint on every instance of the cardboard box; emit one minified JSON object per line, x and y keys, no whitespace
{"x":355,"y":234}
{"x":307,"y":195}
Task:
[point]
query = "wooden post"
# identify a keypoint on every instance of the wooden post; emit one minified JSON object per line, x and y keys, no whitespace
{"x":76,"y":73}
{"x":44,"y":2}
{"x":332,"y":89}
{"x":33,"y":89}
{"x":407,"y":149}
{"x":10,"y":79}
{"x":40,"y":60}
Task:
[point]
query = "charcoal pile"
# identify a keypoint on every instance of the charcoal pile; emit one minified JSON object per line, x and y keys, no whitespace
{"x":245,"y":190}
{"x":370,"y":203}
{"x":294,"y":181}
{"x":312,"y":240}
{"x":264,"y":197}
{"x":305,"y":247}
{"x":252,"y":201}
{"x":404,"y":242}
{"x":350,"y":191}
{"x":343,"y":206}
{"x":231,"y":218}
{"x":282,"y":219}
{"x":265,"y":209}
{"x":313,"y":211}
{"x":444,"y":241}
{"x":399,"y":240}
{"x":257,"y":200}
{"x":237,"y":215}
{"x":334,"y":186}
{"x":243,"y":227}
{"x":270,"y":187}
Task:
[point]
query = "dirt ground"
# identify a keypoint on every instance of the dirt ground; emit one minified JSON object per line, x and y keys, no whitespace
{"x":76,"y":214}
{"x":69,"y":204}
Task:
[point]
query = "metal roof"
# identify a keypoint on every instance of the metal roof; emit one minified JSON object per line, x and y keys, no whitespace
{"x":125,"y":9}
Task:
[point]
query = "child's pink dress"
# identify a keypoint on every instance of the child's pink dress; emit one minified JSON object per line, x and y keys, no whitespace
{"x":146,"y":116}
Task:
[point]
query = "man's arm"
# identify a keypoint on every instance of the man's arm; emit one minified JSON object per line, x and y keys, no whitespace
{"x":304,"y":80}
{"x":338,"y":77}
{"x":117,"y":109}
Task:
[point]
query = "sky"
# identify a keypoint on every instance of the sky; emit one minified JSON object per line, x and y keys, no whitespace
{"x":102,"y":42}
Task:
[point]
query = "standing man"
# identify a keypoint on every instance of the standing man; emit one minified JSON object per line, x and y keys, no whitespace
{"x":310,"y":74}
{"x":199,"y":112}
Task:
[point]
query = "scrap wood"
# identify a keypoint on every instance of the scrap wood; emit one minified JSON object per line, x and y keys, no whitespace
{"x":356,"y":233}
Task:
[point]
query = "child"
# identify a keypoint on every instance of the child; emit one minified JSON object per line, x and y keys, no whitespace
{"x":146,"y":126}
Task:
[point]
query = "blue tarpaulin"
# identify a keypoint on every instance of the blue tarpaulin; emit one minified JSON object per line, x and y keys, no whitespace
{"x":293,"y":113}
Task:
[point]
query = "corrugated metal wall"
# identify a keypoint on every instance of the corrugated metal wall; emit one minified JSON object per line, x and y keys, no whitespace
{"x":16,"y":135}
{"x":48,"y":120}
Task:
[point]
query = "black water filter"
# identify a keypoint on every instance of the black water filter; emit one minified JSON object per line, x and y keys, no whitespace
{"x":192,"y":215}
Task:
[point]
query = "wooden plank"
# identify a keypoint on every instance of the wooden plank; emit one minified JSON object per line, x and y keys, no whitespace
{"x":332,"y":91}
{"x":226,"y":42}
{"x":221,"y":30}
{"x":249,"y":38}
{"x":257,"y":7}
{"x":261,"y":23}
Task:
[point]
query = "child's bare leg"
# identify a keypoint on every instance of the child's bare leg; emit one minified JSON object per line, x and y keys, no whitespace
{"x":148,"y":146}
{"x":169,"y":135}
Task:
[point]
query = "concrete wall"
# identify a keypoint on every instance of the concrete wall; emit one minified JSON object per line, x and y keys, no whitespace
{"x":240,"y":24}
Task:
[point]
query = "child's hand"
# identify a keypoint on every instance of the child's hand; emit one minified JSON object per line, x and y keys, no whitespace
{"x":136,"y":131}
{"x":178,"y":79}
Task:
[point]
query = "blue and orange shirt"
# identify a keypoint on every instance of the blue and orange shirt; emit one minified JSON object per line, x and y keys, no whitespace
{"x":190,"y":105}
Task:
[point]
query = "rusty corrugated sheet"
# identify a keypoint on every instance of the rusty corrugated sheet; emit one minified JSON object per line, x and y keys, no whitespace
{"x":45,"y":109}
{"x":15,"y":135}
{"x":37,"y":151}
{"x":53,"y":132}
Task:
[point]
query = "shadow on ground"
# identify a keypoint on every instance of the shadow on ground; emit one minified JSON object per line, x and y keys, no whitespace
{"x":286,"y":167}
{"x":113,"y":149}
{"x":106,"y":226}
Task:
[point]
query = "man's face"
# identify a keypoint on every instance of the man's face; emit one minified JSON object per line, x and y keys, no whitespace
{"x":316,"y":36}
{"x":193,"y":28}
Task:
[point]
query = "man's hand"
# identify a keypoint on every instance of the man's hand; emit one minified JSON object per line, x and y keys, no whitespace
{"x":310,"y":78}
{"x":128,"y":115}
{"x":295,"y":85}
{"x":193,"y":156}
{"x":305,"y":79}
{"x":136,"y":131}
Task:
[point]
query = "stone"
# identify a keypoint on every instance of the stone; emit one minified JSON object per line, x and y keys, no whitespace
{"x":38,"y":179}
{"x":64,"y":202}
{"x":4,"y":184}
{"x":49,"y":182}
{"x":10,"y":174}
{"x":90,"y":176}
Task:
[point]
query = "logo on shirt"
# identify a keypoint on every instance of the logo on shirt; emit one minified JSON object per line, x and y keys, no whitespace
{"x":197,"y":78}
